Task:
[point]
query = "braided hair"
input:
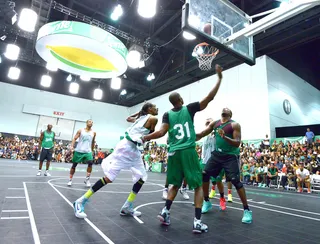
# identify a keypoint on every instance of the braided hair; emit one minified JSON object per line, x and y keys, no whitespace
{"x":144,"y":110}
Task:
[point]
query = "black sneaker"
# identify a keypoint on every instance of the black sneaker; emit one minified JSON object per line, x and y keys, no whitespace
{"x":199,"y":227}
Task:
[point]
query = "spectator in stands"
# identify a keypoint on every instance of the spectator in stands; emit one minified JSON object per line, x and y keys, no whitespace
{"x":309,"y":136}
{"x":261,"y":176}
{"x":272,"y":174}
{"x":303,"y":177}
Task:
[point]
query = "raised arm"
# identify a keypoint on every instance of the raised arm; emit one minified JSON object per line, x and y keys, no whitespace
{"x":236,"y":135}
{"x":204,"y":103}
{"x":132,"y":118}
{"x":157,"y":134}
{"x":206,"y":131}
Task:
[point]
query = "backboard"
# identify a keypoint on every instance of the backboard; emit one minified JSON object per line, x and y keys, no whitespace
{"x":226,"y":19}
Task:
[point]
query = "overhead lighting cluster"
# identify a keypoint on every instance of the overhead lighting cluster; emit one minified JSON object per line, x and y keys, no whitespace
{"x":117,"y":13}
{"x":151,"y":77}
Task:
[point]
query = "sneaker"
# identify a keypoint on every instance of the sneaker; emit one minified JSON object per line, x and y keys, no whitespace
{"x":259,"y":185}
{"x":78,"y":207}
{"x":165,"y":193}
{"x":199,"y":227}
{"x":222,"y":203}
{"x":299,"y":190}
{"x":206,"y":207}
{"x":39,"y":173}
{"x":70,"y":183}
{"x":184,"y":193}
{"x":46,"y":173}
{"x":87,"y":183}
{"x":247,"y":217}
{"x":309,"y":191}
{"x":164,"y":216}
{"x":127,"y":209}
{"x":212,"y":193}
{"x":229,"y":197}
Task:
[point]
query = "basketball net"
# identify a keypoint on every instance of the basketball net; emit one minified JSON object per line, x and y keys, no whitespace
{"x":205,"y":54}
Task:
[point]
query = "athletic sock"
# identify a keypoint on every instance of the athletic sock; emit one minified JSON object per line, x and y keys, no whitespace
{"x":166,"y":186}
{"x":135,"y":189}
{"x":98,"y":185}
{"x":229,"y":191}
{"x":246,"y":207}
{"x":213,"y":187}
{"x":198,"y":213}
{"x":206,"y":198}
{"x":168,"y":204}
{"x":184,"y":186}
{"x":222,"y":194}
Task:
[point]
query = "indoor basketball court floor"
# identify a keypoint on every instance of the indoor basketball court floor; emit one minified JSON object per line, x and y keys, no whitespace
{"x":39,"y":210}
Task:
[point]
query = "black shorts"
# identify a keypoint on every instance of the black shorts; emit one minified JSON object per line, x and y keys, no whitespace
{"x":219,"y":161}
{"x":46,"y":154}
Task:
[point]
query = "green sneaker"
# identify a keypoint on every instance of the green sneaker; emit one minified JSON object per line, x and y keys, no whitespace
{"x":206,"y":206}
{"x":247,"y":217}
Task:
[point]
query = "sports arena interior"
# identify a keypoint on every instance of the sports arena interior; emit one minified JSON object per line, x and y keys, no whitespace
{"x":92,"y":69}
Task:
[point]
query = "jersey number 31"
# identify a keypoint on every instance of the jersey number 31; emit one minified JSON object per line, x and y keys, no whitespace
{"x":182,"y":131}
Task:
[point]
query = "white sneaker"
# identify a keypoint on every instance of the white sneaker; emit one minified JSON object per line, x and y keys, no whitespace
{"x":39,"y":173}
{"x":184,"y":193}
{"x":199,"y":227}
{"x":165,"y":194}
{"x":87,"y":182}
{"x":46,"y":173}
{"x":127,"y":209}
{"x":78,"y":207}
{"x":70,"y":183}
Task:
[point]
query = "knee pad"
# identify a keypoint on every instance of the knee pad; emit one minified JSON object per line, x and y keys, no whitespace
{"x":205,"y":177}
{"x":237,"y":184}
{"x":74,"y":165}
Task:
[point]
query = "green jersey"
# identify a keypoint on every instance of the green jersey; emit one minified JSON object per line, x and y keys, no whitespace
{"x":47,"y":141}
{"x":221,"y":144}
{"x":181,"y":130}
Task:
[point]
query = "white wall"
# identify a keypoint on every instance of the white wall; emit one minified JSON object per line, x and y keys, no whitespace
{"x":304,"y":98}
{"x":243,"y":90}
{"x":109,"y":120}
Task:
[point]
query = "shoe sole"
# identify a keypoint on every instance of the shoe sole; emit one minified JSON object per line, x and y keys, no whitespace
{"x":199,"y":231}
{"x":162,"y":220}
{"x":246,"y":222}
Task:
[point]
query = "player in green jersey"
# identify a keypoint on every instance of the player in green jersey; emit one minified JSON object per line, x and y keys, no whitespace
{"x":47,"y":145}
{"x":183,"y":159}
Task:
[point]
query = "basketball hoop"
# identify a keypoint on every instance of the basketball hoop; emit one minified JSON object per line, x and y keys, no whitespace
{"x":205,"y":53}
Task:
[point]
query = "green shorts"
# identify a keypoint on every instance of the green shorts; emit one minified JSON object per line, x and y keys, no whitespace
{"x":184,"y":164}
{"x":81,"y":157}
{"x":219,"y":177}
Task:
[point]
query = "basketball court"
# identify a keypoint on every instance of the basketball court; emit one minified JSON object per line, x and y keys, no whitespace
{"x":39,"y":210}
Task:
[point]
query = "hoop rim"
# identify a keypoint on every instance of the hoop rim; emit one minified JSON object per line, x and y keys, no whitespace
{"x":214,"y":53}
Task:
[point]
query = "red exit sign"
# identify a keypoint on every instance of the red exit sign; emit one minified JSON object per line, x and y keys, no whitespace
{"x":58,"y":113}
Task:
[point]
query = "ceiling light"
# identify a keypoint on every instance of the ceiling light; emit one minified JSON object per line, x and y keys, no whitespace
{"x":85,"y":78}
{"x":133,"y":59}
{"x":97,"y":94}
{"x":0,"y":59}
{"x":28,"y":20}
{"x":194,"y":21}
{"x":147,"y":8}
{"x":51,"y":67}
{"x":69,"y":78}
{"x":151,"y":77}
{"x":123,"y":92}
{"x":74,"y":88}
{"x":116,"y":83}
{"x":12,"y":51}
{"x":46,"y":80}
{"x":14,"y":73}
{"x":187,"y":35}
{"x":117,"y":13}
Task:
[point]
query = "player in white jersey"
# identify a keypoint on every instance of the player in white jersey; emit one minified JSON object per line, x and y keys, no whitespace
{"x":83,"y":151}
{"x":126,"y":155}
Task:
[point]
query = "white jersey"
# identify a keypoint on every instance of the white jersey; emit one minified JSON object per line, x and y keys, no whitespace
{"x":207,"y":148}
{"x":137,"y":130}
{"x":85,"y":141}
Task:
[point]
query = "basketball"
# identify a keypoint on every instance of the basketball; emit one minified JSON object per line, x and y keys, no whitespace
{"x":207,"y":28}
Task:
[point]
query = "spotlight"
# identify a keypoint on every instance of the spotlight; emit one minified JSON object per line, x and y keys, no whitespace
{"x":85,"y":78}
{"x":27,"y":20}
{"x":123,"y":92}
{"x":12,"y":52}
{"x":46,"y":80}
{"x":151,"y":77}
{"x":97,"y":94}
{"x":117,"y":13}
{"x":133,"y":59}
{"x":147,"y":8}
{"x":74,"y":88}
{"x":116,"y":83}
{"x":14,"y":73}
{"x":69,"y":78}
{"x":187,"y":35}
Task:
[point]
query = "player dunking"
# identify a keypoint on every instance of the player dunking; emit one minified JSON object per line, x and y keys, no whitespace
{"x":225,"y":156}
{"x":183,"y":159}
{"x":126,"y":155}
{"x":83,"y":151}
{"x":47,"y":144}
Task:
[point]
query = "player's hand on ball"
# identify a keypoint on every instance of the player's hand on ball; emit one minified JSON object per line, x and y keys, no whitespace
{"x":221,"y":133}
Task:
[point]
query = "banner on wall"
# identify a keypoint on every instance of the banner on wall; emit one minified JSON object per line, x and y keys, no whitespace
{"x":56,"y":113}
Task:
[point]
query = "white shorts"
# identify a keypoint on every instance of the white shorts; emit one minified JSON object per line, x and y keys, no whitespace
{"x":125,"y":156}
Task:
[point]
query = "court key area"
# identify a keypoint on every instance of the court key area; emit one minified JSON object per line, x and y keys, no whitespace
{"x":39,"y":210}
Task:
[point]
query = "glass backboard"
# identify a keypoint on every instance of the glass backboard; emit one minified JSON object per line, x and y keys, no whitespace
{"x":213,"y":21}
